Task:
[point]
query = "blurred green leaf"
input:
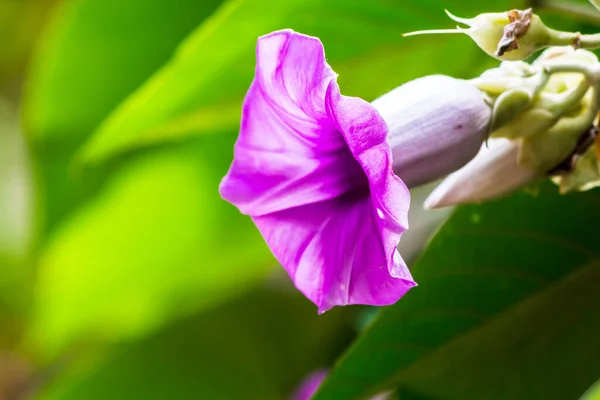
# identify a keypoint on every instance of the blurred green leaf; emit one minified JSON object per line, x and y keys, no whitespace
{"x":15,"y":185}
{"x":95,"y":53}
{"x":593,"y":393}
{"x":258,"y":347}
{"x":157,"y":242}
{"x":15,"y":227}
{"x":90,"y":57}
{"x":202,"y":86}
{"x":578,"y":11}
{"x":506,"y":308}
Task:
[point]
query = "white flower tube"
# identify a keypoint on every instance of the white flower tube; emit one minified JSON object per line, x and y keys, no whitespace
{"x":436,"y":125}
{"x":493,"y":173}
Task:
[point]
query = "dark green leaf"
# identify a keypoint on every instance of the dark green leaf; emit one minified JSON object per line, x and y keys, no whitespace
{"x":593,"y":393}
{"x":257,"y":348}
{"x":506,"y":308}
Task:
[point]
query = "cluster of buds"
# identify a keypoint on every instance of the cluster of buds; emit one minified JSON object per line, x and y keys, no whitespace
{"x":544,"y":118}
{"x":544,"y":114}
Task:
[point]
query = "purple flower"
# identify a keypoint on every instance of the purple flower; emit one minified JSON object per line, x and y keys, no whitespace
{"x":314,"y":171}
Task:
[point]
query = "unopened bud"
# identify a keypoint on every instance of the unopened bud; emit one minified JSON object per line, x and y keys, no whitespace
{"x":513,"y":35}
{"x":493,"y":173}
{"x":545,"y":150}
{"x":583,"y":174}
{"x":436,"y":125}
{"x":509,"y":68}
{"x":534,"y":101}
{"x":562,"y":54}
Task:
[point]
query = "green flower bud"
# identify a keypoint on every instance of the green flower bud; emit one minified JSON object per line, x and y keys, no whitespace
{"x":522,"y":36}
{"x":543,"y":118}
{"x":527,"y":100}
{"x":584,"y":175}
{"x":513,"y":103}
{"x":530,"y":123}
{"x":510,"y":68}
{"x":540,"y":115}
{"x":513,"y":35}
{"x":509,"y":75}
{"x":547,"y":149}
{"x":509,"y":105}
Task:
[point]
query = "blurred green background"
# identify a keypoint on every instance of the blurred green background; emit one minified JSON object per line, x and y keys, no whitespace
{"x":123,"y":275}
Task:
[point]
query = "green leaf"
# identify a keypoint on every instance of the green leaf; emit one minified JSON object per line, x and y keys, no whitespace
{"x":203,"y":85}
{"x":157,"y":242}
{"x":15,"y":227}
{"x":593,"y":393}
{"x":258,"y":347}
{"x":95,"y":52}
{"x":507,"y":299}
{"x":92,"y":55}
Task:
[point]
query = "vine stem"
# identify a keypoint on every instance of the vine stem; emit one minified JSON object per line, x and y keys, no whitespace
{"x":592,"y":75}
{"x":575,"y":39}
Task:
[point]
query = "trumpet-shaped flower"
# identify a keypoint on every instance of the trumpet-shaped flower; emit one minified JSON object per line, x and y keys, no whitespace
{"x":321,"y":174}
{"x":314,"y":171}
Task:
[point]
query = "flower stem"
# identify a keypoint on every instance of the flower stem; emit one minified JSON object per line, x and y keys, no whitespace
{"x":590,"y":71}
{"x":592,"y":75}
{"x":571,"y":98}
{"x":581,"y":12}
{"x":575,"y":39}
{"x":589,"y":41}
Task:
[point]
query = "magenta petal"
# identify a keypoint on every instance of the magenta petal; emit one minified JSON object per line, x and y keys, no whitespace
{"x":288,"y":152}
{"x":309,"y":385}
{"x":334,"y":253}
{"x":313,"y":170}
{"x":365,"y":132}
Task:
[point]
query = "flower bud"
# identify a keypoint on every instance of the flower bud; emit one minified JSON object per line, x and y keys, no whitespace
{"x":436,"y":125}
{"x":564,"y":54}
{"x":509,"y":68}
{"x":493,"y":173}
{"x":527,"y":100}
{"x":584,"y":176}
{"x":513,"y":35}
{"x":546,"y":149}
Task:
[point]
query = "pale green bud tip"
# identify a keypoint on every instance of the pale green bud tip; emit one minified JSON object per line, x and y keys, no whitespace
{"x":512,"y":35}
